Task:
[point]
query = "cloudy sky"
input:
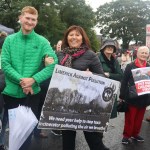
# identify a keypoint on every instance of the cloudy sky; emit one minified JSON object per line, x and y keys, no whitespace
{"x":96,"y":3}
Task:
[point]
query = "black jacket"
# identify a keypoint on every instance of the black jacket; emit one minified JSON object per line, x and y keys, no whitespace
{"x":2,"y":85}
{"x":140,"y":101}
{"x":2,"y":81}
{"x":89,"y":60}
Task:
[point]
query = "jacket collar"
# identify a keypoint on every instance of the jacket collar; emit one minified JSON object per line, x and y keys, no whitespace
{"x":30,"y":35}
{"x":101,"y":58}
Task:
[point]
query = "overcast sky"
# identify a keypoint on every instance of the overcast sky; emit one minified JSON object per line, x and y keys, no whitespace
{"x":96,"y":3}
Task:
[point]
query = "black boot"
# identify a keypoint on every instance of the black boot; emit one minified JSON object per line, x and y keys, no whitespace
{"x":105,"y":148}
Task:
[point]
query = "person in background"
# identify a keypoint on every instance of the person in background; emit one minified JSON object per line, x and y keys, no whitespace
{"x":3,"y":35}
{"x":58,"y":46}
{"x":125,"y":59}
{"x":22,"y":57}
{"x":76,"y":53}
{"x":3,"y":114}
{"x":136,"y":106}
{"x":110,"y":66}
{"x":2,"y":85}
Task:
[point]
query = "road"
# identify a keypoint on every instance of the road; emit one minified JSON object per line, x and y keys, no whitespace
{"x":112,"y":138}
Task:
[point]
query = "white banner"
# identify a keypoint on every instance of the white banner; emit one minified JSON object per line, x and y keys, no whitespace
{"x":77,"y":101}
{"x":142,"y":80}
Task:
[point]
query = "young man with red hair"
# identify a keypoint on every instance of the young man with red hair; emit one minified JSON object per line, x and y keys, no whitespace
{"x":22,"y":57}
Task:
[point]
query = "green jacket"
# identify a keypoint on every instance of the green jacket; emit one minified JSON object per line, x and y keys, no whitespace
{"x":22,"y":57}
{"x":114,"y":76}
{"x":118,"y":72}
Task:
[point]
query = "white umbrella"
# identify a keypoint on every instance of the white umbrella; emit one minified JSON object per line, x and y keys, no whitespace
{"x":22,"y":121}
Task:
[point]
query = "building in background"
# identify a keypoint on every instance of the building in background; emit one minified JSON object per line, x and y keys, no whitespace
{"x":148,"y":35}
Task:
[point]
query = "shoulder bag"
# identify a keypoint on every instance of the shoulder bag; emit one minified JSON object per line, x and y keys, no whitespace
{"x":132,"y":92}
{"x":122,"y":106}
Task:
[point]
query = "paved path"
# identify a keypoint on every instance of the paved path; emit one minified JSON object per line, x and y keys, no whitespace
{"x":112,"y":138}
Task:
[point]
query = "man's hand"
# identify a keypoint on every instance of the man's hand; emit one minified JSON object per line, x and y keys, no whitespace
{"x":26,"y":82}
{"x":28,"y":90}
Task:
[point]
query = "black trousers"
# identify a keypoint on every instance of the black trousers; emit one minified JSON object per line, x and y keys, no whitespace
{"x":1,"y":103}
{"x":30,"y":101}
{"x":44,"y":87}
{"x":94,"y":140}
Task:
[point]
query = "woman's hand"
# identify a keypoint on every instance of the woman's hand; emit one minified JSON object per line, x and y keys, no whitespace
{"x":120,"y":100}
{"x":48,"y":60}
{"x":106,"y":74}
{"x":88,"y":72}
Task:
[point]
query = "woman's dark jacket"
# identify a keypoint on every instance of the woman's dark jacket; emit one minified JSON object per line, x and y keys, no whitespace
{"x":140,"y":101}
{"x":117,"y":75}
{"x":88,"y":60}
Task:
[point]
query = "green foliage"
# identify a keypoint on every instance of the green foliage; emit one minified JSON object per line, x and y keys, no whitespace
{"x":76,"y":12}
{"x":95,"y":44}
{"x":55,"y":16}
{"x":125,"y":20}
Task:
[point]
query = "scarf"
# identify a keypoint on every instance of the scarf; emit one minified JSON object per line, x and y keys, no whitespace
{"x":110,"y":63}
{"x":138,"y":64}
{"x":70,"y":54}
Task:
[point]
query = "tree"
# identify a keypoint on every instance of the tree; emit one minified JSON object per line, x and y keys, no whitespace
{"x":9,"y":13}
{"x":55,"y":16}
{"x":49,"y":24}
{"x":76,"y":12}
{"x":125,"y":20}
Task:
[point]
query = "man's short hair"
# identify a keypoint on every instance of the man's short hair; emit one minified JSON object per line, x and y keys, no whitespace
{"x":30,"y":10}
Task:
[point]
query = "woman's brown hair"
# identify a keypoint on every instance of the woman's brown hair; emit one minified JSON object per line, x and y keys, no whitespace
{"x":79,"y":29}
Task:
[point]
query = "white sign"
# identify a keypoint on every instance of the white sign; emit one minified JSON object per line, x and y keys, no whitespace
{"x":142,"y":80}
{"x":78,"y":101}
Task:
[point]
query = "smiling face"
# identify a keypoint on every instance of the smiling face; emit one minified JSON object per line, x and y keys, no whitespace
{"x":28,"y":22}
{"x":74,"y":39}
{"x":143,"y":53}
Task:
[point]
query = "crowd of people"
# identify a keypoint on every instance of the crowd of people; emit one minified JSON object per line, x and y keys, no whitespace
{"x":28,"y":61}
